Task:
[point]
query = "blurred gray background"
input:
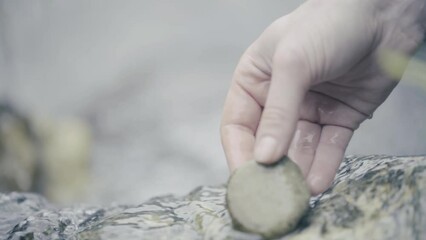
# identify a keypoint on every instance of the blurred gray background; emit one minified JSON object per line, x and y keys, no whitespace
{"x":150,"y":77}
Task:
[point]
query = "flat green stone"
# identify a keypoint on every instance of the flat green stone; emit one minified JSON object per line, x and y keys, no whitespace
{"x":268,"y":200}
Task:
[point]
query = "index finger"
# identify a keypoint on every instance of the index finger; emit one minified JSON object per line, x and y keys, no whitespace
{"x":242,"y":111}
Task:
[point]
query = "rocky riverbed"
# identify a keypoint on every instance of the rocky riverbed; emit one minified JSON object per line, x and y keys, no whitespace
{"x":373,"y":197}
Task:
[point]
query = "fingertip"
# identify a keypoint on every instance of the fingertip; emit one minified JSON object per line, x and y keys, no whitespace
{"x":265,"y":149}
{"x":232,"y":166}
{"x":235,"y":163}
{"x":318,"y":184}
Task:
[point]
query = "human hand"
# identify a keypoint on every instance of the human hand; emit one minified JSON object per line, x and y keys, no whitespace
{"x":311,"y":79}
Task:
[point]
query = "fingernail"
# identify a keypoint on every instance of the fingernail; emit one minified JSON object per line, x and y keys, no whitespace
{"x":265,"y":149}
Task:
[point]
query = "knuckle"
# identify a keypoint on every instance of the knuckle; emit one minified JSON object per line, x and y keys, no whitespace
{"x":278,"y":24}
{"x":275,"y":115}
{"x":252,"y":68}
{"x":294,"y":60}
{"x":306,"y":148}
{"x":290,"y":56}
{"x":227,"y":129}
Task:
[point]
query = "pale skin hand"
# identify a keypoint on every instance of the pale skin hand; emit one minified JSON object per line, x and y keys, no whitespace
{"x":311,"y":79}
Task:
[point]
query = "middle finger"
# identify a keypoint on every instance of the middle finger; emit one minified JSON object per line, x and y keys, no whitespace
{"x":304,"y":144}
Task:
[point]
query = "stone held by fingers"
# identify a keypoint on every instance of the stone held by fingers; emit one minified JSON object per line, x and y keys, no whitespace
{"x":268,"y":200}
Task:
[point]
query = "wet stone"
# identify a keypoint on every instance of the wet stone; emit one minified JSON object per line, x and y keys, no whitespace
{"x":373,"y":197}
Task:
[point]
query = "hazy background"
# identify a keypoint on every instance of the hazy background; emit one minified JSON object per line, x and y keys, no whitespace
{"x":150,"y":77}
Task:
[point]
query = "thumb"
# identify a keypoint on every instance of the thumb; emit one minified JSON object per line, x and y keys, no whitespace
{"x":290,"y":81}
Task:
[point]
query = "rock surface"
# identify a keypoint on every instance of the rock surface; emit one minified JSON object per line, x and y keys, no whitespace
{"x":373,"y":197}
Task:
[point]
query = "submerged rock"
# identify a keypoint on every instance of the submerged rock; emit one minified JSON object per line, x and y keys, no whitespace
{"x":43,"y":155}
{"x":373,"y":197}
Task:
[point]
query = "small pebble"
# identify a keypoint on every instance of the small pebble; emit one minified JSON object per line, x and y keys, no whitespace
{"x":268,"y":200}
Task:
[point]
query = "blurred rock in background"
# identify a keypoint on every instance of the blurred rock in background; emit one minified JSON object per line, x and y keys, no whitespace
{"x":19,"y":159}
{"x":44,"y":155}
{"x":150,"y":78}
{"x":65,"y":157}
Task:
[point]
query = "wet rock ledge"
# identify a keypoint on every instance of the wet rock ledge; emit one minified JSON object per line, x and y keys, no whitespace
{"x":373,"y":197}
